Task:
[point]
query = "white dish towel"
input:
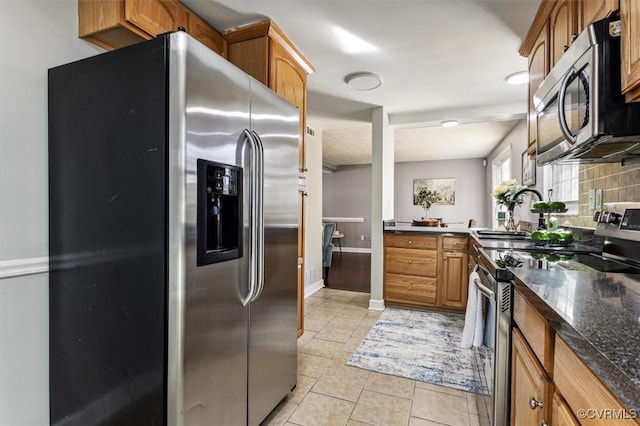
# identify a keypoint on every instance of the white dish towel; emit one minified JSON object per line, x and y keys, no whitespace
{"x":472,"y":333}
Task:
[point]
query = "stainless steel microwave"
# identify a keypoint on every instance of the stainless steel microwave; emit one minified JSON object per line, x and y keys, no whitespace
{"x":581,"y":112}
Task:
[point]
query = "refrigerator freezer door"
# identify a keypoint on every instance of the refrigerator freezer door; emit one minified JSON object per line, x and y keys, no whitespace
{"x":272,"y":335}
{"x":208,"y":324}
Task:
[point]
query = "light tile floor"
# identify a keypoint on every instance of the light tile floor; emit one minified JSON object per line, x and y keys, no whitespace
{"x":331,"y":393}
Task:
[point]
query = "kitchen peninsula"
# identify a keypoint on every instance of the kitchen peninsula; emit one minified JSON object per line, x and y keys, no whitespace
{"x":426,"y":266}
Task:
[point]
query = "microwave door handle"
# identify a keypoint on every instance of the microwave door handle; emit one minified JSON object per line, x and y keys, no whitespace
{"x":562,"y":117}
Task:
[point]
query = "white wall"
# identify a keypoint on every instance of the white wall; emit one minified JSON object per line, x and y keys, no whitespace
{"x":471,"y":193}
{"x":313,"y":215}
{"x":34,"y":35}
{"x":347,"y":193}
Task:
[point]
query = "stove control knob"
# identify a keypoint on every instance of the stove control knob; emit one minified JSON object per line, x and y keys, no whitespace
{"x":614,"y":217}
{"x":604,"y":217}
{"x":596,"y":216}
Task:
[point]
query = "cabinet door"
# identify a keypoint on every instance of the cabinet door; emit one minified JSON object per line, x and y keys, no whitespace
{"x":454,"y":284}
{"x":290,"y":82}
{"x":561,"y":413}
{"x":563,"y":28}
{"x":594,"y":10}
{"x":206,"y":34}
{"x":630,"y":46}
{"x":538,"y":69}
{"x":155,"y":16}
{"x":530,"y":386}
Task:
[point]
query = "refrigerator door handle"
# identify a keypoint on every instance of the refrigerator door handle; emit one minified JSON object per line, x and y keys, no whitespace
{"x":252,"y":216}
{"x":256,"y":217}
{"x":260,"y":219}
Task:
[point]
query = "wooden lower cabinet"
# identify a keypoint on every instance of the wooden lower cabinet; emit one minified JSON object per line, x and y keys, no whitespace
{"x":530,"y":386}
{"x":561,"y":414}
{"x":426,"y":270}
{"x":455,"y":280}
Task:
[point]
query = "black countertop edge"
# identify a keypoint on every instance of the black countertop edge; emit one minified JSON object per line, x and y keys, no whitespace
{"x":613,"y":378}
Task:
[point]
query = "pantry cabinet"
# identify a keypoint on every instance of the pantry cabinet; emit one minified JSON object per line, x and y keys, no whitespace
{"x":630,"y":45}
{"x":113,"y":24}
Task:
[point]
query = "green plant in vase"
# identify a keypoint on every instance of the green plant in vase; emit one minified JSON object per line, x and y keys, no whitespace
{"x":426,"y":198}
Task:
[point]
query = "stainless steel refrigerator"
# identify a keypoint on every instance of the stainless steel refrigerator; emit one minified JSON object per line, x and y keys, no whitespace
{"x":173,"y":239}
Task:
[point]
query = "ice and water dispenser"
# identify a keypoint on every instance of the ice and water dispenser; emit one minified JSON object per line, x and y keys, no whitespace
{"x":219,"y":212}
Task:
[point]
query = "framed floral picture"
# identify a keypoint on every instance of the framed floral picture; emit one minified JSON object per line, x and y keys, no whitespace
{"x":446,"y":188}
{"x":528,"y":170}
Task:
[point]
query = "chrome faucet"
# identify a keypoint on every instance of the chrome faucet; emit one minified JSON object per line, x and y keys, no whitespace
{"x":512,"y":205}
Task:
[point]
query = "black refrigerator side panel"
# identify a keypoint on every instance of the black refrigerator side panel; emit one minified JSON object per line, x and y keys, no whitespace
{"x":107,"y":238}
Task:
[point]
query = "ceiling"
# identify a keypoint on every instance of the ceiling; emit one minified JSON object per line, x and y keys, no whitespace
{"x":438,"y":59}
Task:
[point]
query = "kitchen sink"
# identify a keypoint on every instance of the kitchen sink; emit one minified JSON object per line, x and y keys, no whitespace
{"x":498,"y":234}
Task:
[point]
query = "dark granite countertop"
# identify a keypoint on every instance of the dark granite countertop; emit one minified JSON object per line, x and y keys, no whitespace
{"x":598,"y":315}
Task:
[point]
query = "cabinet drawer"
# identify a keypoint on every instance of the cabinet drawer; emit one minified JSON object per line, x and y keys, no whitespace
{"x":410,"y":289}
{"x":411,"y":262}
{"x":411,"y":241}
{"x":454,"y":243}
{"x":582,"y":389}
{"x":535,"y":329}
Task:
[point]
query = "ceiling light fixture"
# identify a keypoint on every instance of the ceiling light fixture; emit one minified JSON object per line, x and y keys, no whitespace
{"x":520,"y":77}
{"x":449,"y":123}
{"x":351,"y":43}
{"x":363,"y":81}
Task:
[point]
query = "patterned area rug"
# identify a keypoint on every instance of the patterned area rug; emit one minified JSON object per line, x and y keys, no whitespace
{"x":422,"y":346}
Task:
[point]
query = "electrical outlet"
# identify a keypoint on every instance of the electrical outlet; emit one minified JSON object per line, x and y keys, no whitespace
{"x":598,"y":199}
{"x":592,"y":199}
{"x":362,"y":237}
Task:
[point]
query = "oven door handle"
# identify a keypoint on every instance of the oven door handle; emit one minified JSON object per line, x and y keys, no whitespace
{"x":484,"y":289}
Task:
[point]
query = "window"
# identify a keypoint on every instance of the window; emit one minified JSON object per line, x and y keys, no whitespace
{"x":563,"y":180}
{"x":501,"y":171}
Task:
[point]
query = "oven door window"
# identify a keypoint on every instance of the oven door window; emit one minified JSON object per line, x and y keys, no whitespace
{"x":576,"y":113}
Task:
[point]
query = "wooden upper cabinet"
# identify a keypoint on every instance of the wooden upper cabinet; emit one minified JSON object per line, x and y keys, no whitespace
{"x":630,"y":45}
{"x":538,"y":70}
{"x":156,"y":17}
{"x":206,"y":34}
{"x":594,"y":10}
{"x":264,"y":52}
{"x":563,"y":28}
{"x":113,"y":24}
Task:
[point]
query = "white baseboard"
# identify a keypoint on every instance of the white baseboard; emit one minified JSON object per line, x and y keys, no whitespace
{"x":309,"y":290}
{"x":376,"y":305}
{"x":20,"y":267}
{"x":352,"y":250}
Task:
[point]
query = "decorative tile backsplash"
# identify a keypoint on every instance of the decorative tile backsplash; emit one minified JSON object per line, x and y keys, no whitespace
{"x":618,"y":183}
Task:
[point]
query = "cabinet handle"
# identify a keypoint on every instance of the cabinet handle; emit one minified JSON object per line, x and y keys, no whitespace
{"x":410,"y":288}
{"x":410,"y":242}
{"x":544,"y":423}
{"x":565,"y":48}
{"x":410,"y":261}
{"x":455,"y":244}
{"x":444,"y":257}
{"x":533,"y":404}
